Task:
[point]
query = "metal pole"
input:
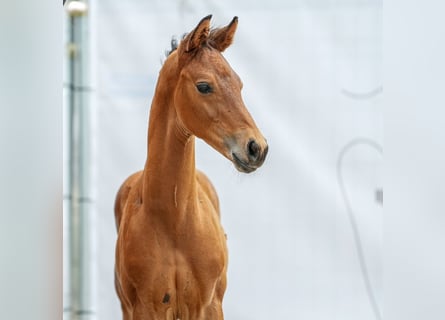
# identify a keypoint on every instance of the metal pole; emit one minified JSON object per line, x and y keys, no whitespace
{"x":80,"y":300}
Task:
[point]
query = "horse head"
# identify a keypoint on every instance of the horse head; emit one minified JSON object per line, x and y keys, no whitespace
{"x":208,"y":97}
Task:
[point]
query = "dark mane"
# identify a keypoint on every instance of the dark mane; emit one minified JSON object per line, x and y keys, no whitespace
{"x":174,"y":43}
{"x":174,"y":46}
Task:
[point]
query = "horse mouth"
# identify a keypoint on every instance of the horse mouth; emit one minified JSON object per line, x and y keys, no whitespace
{"x":241,"y":165}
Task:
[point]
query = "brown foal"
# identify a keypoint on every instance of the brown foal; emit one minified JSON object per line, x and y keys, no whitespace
{"x":171,"y":254}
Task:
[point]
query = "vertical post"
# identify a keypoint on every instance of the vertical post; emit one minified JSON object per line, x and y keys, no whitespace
{"x":80,"y":287}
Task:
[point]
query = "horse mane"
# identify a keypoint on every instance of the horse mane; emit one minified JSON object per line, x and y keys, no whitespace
{"x":174,"y":45}
{"x":174,"y":42}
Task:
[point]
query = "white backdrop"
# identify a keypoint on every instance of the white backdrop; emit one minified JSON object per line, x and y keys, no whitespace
{"x":313,"y":82}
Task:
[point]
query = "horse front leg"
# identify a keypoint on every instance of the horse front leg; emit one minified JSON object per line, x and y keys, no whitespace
{"x":214,"y":311}
{"x":126,"y":313}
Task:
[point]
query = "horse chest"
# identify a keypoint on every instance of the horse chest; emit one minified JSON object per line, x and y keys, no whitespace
{"x":197,"y":276}
{"x":182,"y":267}
{"x":199,"y":260}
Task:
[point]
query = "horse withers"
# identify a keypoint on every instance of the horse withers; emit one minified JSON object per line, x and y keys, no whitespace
{"x":171,"y":254}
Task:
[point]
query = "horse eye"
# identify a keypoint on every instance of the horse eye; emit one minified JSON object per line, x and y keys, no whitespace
{"x":204,"y":87}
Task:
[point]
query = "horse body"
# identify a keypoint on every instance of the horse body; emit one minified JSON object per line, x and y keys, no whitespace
{"x":171,"y":254}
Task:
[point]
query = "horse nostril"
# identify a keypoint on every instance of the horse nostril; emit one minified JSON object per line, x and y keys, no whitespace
{"x":254,"y":150}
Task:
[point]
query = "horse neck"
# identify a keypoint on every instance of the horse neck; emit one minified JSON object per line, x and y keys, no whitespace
{"x":169,"y":185}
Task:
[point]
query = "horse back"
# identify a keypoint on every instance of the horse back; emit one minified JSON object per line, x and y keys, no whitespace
{"x":208,"y":188}
{"x":122,"y":196}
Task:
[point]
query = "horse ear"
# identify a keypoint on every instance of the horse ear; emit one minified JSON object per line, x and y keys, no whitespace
{"x":199,"y":35}
{"x":222,"y":38}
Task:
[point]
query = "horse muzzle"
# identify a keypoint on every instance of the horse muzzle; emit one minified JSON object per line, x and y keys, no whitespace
{"x":251,"y":157}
